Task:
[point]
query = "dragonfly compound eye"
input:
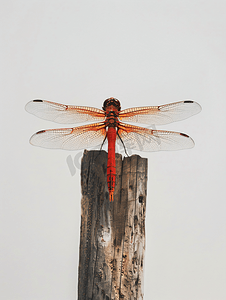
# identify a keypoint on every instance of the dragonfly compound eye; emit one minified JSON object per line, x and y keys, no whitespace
{"x":112,"y":101}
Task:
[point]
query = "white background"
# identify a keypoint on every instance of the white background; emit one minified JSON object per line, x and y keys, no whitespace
{"x":143,"y":53}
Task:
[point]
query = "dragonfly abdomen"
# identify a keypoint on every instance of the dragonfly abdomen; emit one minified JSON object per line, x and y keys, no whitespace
{"x":111,"y":169}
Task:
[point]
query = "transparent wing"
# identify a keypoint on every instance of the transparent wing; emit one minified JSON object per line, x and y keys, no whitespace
{"x":64,"y":114}
{"x":144,"y":139}
{"x":70,"y":138}
{"x":162,"y":114}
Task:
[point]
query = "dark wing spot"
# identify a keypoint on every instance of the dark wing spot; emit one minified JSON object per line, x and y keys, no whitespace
{"x":188,"y":101}
{"x":183,"y":134}
{"x":37,"y":100}
{"x":41,"y":131}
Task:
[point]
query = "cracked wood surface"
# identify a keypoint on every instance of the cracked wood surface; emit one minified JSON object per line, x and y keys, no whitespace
{"x":112,"y":234}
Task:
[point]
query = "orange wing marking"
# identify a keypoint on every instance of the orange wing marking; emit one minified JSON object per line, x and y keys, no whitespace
{"x":144,"y":139}
{"x":163,"y":114}
{"x":65,"y":114}
{"x":70,"y":138}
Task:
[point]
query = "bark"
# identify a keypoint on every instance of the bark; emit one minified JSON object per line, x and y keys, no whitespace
{"x":112,"y":234}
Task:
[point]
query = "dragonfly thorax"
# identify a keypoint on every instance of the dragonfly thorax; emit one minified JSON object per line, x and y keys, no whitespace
{"x":111,"y":118}
{"x":112,"y":102}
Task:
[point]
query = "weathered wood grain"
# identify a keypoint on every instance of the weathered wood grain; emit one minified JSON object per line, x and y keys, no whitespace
{"x":112,"y":234}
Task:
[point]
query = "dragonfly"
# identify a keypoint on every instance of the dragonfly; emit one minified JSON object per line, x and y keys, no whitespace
{"x":110,"y":128}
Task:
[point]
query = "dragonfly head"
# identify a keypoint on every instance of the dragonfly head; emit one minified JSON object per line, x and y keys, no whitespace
{"x":111,"y":101}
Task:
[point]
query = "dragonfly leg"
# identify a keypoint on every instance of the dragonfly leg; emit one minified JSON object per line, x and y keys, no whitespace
{"x":122,"y":143}
{"x":103,"y":142}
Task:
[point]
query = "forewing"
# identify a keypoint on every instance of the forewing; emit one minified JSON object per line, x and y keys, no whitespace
{"x":70,"y":138}
{"x":144,"y":139}
{"x":162,"y":114}
{"x":65,"y":114}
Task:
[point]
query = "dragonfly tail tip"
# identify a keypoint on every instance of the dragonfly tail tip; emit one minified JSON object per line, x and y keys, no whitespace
{"x":111,"y":197}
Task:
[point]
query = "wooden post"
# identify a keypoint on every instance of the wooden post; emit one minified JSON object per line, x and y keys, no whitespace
{"x":112,"y":234}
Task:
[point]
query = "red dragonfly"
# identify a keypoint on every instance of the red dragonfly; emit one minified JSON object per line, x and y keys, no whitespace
{"x":111,"y":128}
